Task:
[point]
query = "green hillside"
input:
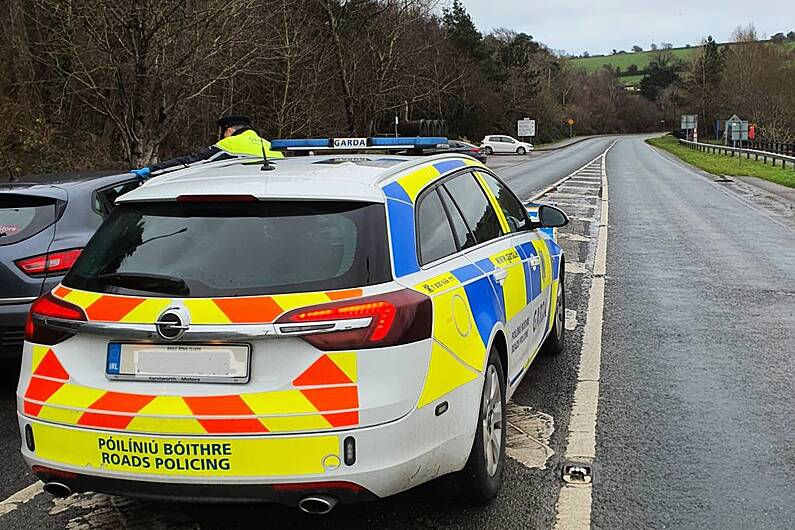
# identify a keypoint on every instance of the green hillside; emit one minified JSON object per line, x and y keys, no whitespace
{"x":640,"y":59}
{"x":623,"y":60}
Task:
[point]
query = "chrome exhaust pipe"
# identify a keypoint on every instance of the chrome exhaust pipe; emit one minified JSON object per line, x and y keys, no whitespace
{"x":317,"y":504}
{"x":56,"y":489}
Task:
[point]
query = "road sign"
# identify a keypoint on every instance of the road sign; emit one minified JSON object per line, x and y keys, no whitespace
{"x":689,"y":121}
{"x":570,"y":121}
{"x":738,"y":131}
{"x":526,"y":127}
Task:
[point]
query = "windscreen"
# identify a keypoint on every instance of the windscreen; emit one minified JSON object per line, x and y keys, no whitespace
{"x":22,"y":216}
{"x":232,"y":249}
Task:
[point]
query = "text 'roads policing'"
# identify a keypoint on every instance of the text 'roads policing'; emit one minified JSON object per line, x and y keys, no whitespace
{"x":163,"y":455}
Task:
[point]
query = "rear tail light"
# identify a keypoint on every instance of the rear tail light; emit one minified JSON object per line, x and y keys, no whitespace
{"x":51,"y":262}
{"x":45,"y":307}
{"x":399,"y":317}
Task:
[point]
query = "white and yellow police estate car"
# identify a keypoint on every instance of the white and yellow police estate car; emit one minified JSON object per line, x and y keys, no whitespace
{"x":340,"y":328}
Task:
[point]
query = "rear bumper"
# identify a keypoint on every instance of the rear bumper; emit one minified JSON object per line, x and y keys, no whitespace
{"x":12,"y":329}
{"x":389,"y":458}
{"x":289,"y":494}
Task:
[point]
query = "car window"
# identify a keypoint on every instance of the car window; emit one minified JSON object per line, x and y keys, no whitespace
{"x":463,"y":235}
{"x":512,"y":208}
{"x":509,"y":140}
{"x":435,"y":235}
{"x":23,"y":216}
{"x":104,"y":199}
{"x":234,"y":249}
{"x":474,"y":206}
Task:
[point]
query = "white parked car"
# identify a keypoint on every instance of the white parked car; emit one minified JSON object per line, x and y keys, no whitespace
{"x":496,"y":143}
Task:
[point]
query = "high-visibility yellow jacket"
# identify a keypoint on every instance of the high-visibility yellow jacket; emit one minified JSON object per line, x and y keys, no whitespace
{"x":243,"y":143}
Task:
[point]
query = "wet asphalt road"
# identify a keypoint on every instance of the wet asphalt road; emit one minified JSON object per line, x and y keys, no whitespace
{"x":696,"y":425}
{"x":696,"y":408}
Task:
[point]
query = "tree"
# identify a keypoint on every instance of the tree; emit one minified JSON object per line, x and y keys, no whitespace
{"x":637,"y":49}
{"x":586,"y":54}
{"x":139,"y":64}
{"x":661,"y":72}
{"x":778,"y":38}
{"x":791,"y":36}
{"x":461,"y":31}
{"x":653,"y":46}
{"x":703,"y":80}
{"x":759,"y":84}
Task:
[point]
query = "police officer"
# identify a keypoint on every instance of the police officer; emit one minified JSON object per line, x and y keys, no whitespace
{"x":238,"y":140}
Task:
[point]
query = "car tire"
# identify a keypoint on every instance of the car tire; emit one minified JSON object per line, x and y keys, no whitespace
{"x":488,"y":150}
{"x":553,"y":345}
{"x":521,"y":151}
{"x":480,"y":480}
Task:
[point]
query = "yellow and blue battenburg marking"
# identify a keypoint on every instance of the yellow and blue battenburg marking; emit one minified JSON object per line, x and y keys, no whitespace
{"x":486,"y":309}
{"x":400,"y":198}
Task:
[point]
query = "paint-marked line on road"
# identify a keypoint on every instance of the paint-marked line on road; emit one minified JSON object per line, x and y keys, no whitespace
{"x":561,"y":181}
{"x":19,"y":498}
{"x":574,"y":502}
{"x":571,"y":320}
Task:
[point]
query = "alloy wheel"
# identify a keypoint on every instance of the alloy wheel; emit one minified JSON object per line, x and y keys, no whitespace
{"x":491,"y":417}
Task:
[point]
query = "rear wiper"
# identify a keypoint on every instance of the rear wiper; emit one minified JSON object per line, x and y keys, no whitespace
{"x":154,"y":283}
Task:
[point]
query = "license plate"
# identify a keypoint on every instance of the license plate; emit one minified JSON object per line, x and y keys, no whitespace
{"x":179,"y":363}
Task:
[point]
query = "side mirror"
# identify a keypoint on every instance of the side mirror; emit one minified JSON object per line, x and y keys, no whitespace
{"x":551,"y":217}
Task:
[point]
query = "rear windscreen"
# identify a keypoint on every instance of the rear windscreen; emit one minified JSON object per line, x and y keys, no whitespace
{"x":22,"y":216}
{"x":231,"y":249}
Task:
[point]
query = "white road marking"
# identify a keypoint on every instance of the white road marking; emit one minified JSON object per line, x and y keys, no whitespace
{"x":99,"y":511}
{"x":527,"y":438}
{"x":574,"y":501}
{"x":575,"y":267}
{"x":19,"y":498}
{"x":574,"y":195}
{"x":555,"y":185}
{"x":574,"y":237}
{"x":571,"y":320}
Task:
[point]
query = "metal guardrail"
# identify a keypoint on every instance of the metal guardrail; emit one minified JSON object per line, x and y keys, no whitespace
{"x":781,"y":148}
{"x":748,"y":153}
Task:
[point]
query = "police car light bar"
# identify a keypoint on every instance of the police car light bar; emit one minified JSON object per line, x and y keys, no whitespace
{"x":356,"y":144}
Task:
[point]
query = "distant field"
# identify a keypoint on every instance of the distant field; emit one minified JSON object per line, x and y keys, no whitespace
{"x":641,"y":60}
{"x":631,"y":80}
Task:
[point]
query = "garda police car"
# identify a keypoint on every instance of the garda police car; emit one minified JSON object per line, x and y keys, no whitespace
{"x":341,"y":328}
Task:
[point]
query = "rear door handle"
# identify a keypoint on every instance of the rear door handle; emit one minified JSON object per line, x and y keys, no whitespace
{"x":500,"y":274}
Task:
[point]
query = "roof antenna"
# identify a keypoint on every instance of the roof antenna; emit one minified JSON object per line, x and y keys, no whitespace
{"x":265,"y":165}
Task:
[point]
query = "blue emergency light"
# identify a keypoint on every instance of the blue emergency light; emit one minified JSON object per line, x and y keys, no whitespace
{"x":356,"y":144}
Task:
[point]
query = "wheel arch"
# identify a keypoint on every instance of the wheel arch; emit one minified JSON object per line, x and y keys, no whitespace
{"x":501,"y":344}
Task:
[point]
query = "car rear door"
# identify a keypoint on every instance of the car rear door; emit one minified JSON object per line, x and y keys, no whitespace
{"x":494,"y":254}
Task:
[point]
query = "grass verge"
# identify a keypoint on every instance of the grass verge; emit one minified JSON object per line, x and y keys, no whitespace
{"x":725,"y":165}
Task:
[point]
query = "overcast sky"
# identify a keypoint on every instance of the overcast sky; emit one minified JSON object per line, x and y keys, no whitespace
{"x":601,"y":25}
